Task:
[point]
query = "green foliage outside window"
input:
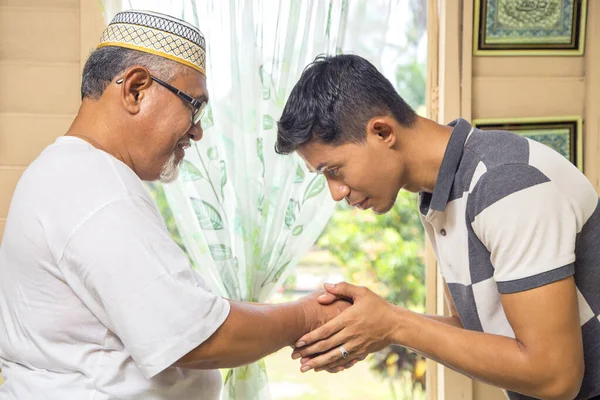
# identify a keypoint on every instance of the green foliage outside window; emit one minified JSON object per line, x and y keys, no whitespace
{"x":386,"y":254}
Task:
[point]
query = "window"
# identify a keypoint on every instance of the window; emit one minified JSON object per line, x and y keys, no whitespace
{"x":385,"y":253}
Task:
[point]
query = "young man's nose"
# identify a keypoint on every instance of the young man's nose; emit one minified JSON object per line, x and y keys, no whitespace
{"x":338,"y":191}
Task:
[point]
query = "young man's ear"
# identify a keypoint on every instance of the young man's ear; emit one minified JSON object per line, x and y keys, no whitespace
{"x":381,"y":129}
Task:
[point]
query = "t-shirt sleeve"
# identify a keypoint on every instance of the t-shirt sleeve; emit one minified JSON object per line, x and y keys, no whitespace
{"x":127,"y":270}
{"x":527,"y":225}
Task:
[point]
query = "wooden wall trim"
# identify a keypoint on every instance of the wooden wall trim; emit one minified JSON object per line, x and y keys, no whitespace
{"x":432,"y":109}
{"x":591,"y":141}
{"x":466,"y":67}
{"x":452,"y":57}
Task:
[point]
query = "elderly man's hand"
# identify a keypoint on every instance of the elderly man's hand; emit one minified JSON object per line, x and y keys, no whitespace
{"x":364,"y":328}
{"x":321,"y":307}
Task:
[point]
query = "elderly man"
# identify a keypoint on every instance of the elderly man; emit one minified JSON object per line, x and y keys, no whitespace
{"x":514,"y":225}
{"x":97,"y":301}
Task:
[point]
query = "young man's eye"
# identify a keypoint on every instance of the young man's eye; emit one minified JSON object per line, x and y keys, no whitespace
{"x":333,"y":172}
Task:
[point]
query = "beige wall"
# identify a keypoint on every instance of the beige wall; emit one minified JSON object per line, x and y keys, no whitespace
{"x":43,"y":44}
{"x":498,"y":87}
{"x":540,"y":86}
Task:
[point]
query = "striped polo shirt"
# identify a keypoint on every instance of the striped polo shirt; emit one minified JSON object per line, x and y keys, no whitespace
{"x":509,"y":214}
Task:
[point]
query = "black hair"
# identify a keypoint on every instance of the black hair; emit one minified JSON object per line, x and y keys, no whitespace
{"x":333,"y":101}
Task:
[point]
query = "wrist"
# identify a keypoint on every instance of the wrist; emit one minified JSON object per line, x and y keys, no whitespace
{"x":306,"y":316}
{"x":404,"y":324}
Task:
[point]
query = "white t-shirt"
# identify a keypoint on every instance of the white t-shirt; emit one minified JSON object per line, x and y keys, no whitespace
{"x":96,"y":300}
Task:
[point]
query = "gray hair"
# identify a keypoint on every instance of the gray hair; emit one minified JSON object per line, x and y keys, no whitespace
{"x":105,"y":63}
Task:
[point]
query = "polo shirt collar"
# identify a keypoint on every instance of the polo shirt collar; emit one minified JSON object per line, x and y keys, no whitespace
{"x":450,"y":163}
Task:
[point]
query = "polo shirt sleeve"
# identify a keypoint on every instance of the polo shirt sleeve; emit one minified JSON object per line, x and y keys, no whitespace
{"x":124,"y":266}
{"x":527,"y":225}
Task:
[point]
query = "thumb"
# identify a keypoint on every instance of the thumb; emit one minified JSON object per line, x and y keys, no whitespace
{"x":327,"y":298}
{"x":343,"y":289}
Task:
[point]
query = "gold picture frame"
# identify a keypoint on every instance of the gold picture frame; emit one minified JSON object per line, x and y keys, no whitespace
{"x":563,"y":33}
{"x":563,"y":134}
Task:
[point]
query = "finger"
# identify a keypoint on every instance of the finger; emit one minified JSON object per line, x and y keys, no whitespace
{"x":322,"y":346}
{"x":332,"y":356}
{"x":327,"y":298}
{"x":338,"y":363}
{"x":296,"y":356}
{"x":337,"y":368}
{"x":345,"y":289}
{"x":340,"y":368}
{"x":322,"y":332}
{"x":304,"y":360}
{"x":341,"y":363}
{"x":347,"y":363}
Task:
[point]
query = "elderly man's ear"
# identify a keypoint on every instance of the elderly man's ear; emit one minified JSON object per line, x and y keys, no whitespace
{"x":133,"y":88}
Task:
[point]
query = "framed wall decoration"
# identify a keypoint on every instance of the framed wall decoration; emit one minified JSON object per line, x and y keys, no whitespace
{"x":563,"y":134}
{"x":529,"y":27}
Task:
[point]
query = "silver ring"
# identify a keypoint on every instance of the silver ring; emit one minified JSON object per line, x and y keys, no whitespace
{"x":345,"y":354}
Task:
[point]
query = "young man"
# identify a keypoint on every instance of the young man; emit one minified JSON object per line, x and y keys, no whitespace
{"x":96,"y":300}
{"x":515,"y":228}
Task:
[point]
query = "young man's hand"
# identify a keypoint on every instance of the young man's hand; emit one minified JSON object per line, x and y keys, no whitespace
{"x":362,"y":329}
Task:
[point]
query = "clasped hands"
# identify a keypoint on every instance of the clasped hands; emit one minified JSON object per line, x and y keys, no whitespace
{"x":365,"y":327}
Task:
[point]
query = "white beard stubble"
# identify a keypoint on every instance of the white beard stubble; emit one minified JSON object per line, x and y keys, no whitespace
{"x":170,"y":171}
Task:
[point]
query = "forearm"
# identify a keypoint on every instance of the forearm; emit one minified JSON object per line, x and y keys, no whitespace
{"x":250,"y":332}
{"x":453,"y":321}
{"x":498,"y":360}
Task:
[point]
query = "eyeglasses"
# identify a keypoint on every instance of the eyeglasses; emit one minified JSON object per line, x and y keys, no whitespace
{"x":199,"y":107}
